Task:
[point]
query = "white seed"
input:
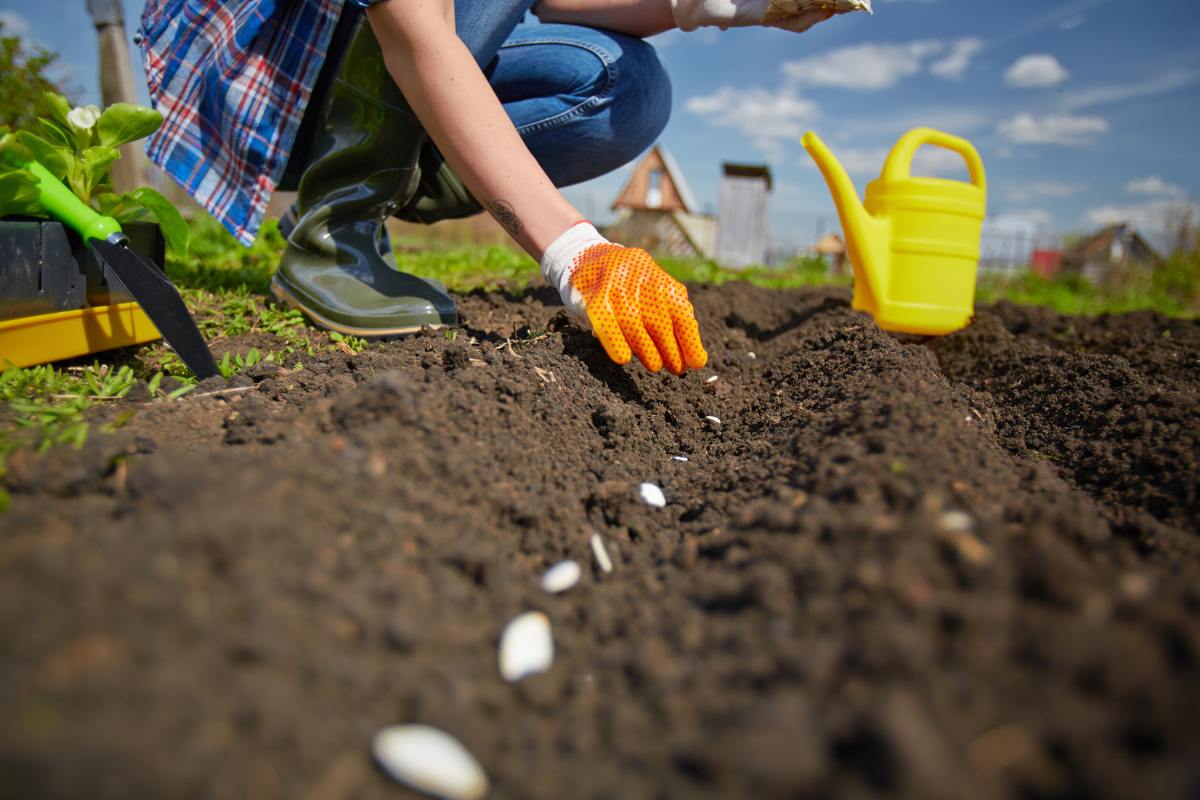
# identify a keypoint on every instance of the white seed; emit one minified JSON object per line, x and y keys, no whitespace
{"x":713,"y":420}
{"x":601,"y":554}
{"x":751,"y":355}
{"x":956,"y":522}
{"x":711,"y":379}
{"x":430,"y":761}
{"x":652,"y":495}
{"x":679,"y":458}
{"x":526,"y":646}
{"x":561,"y":576}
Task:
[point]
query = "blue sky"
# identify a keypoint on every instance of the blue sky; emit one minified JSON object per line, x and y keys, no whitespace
{"x":1085,"y":111}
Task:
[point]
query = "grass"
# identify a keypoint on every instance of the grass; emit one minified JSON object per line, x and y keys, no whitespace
{"x":1172,"y":289}
{"x":226,"y":287}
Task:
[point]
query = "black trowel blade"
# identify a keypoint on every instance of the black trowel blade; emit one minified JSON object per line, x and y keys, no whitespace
{"x":162,"y":304}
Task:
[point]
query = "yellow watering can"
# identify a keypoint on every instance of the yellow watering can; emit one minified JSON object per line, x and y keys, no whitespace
{"x":914,"y":242}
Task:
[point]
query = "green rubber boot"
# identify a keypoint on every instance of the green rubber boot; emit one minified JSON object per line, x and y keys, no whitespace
{"x":361,"y":168}
{"x":440,"y":194}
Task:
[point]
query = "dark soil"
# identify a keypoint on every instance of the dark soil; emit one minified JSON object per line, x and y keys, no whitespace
{"x":963,"y":567}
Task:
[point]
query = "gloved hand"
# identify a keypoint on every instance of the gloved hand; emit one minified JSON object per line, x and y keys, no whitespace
{"x":792,"y":15}
{"x":631,"y":305}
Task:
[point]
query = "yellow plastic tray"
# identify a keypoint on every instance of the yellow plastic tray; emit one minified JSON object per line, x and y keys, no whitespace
{"x":66,"y":334}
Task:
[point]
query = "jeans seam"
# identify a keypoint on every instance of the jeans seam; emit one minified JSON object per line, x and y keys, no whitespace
{"x":587,"y":105}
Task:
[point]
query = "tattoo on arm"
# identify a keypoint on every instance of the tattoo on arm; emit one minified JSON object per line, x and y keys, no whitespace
{"x":503,"y":211}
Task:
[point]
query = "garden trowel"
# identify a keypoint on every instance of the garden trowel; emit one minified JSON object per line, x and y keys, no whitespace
{"x":146,"y":284}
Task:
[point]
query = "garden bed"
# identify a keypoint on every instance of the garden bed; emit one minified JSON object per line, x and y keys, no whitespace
{"x":958,"y":567}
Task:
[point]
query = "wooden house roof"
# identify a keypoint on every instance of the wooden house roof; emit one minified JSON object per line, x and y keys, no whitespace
{"x":674,"y":193}
{"x":1105,"y":244}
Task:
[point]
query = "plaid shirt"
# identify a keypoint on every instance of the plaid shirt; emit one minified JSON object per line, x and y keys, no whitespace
{"x":232,"y":80}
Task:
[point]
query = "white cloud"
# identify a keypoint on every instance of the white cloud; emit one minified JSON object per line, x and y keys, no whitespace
{"x":1036,"y":71}
{"x":891,"y":125}
{"x":867,"y":162}
{"x":1154,"y":186}
{"x":860,"y":162}
{"x":1063,"y":129}
{"x":762,"y":116}
{"x":863,"y":67}
{"x":1028,"y":191}
{"x":1056,"y":15}
{"x":14,"y":23}
{"x":958,"y":60}
{"x":1163,"y":83}
{"x":1155,"y":216}
{"x":1036,"y":217}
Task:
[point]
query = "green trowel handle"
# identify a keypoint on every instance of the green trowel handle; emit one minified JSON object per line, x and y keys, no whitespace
{"x":69,"y":209}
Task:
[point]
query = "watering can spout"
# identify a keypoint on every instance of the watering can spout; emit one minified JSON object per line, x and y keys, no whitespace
{"x":866,"y":236}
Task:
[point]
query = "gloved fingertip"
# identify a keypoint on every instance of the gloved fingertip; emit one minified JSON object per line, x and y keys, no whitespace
{"x":651,"y":361}
{"x":619,"y":352}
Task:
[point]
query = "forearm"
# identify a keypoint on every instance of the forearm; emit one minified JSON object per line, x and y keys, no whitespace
{"x":634,"y":17}
{"x":454,"y":102}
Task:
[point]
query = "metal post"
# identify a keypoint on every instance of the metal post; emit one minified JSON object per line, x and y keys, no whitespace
{"x":116,"y":86}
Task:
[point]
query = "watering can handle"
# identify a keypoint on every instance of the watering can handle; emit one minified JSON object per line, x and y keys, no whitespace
{"x":899,"y":163}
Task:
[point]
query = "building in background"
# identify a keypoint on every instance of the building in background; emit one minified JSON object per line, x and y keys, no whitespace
{"x":832,"y":250}
{"x":1106,"y":256}
{"x":657,"y":212}
{"x":742,"y":215}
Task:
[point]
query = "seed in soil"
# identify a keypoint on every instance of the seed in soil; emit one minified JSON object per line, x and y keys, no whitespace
{"x":751,"y":355}
{"x":712,"y":420}
{"x":526,"y":646}
{"x":430,"y":761}
{"x":711,"y":379}
{"x":561,"y":576}
{"x":956,"y":522}
{"x":652,"y":495}
{"x":602,"y":559}
{"x":682,"y":459}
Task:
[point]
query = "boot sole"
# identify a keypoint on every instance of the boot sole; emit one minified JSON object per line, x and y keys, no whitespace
{"x":286,"y":298}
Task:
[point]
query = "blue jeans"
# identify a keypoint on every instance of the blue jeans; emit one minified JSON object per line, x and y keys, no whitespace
{"x":585,"y":101}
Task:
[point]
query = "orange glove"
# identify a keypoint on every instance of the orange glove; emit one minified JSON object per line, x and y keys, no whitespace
{"x":630,"y":303}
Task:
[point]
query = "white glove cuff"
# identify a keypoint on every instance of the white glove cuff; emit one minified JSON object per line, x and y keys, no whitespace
{"x":558,"y":262}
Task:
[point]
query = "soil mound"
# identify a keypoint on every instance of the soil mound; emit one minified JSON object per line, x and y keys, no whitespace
{"x":966,"y":566}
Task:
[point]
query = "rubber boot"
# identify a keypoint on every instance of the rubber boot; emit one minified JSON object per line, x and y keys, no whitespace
{"x":440,"y":194}
{"x":361,"y":168}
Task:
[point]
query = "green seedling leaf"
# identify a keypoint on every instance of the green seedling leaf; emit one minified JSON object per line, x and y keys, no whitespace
{"x":154,"y":382}
{"x":122,"y":123}
{"x":96,"y":161}
{"x":174,"y":228}
{"x":52,"y":158}
{"x":19,"y":194}
{"x":121,"y":207}
{"x":120,"y":422}
{"x":180,"y":392}
{"x":60,"y":107}
{"x":54,"y":133}
{"x":13,"y":154}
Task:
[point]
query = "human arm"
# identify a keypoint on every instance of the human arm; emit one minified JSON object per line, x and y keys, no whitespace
{"x":630,"y":303}
{"x":647,"y":17}
{"x":633,"y":17}
{"x":452,"y":98}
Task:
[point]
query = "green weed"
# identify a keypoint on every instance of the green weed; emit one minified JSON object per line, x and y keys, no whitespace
{"x":46,"y":405}
{"x":230,"y":365}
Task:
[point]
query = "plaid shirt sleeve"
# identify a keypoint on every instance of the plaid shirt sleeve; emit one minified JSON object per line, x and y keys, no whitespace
{"x":232,"y":80}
